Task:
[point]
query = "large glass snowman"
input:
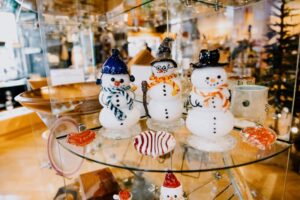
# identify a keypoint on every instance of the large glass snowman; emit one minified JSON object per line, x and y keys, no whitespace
{"x":119,"y":117}
{"x":164,"y":89}
{"x":210,"y":119}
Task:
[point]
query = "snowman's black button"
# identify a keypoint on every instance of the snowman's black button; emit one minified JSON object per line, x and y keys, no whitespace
{"x":165,"y":94}
{"x":164,"y":86}
{"x":167,"y":117}
{"x":118,"y":105}
{"x":214,"y":123}
{"x":167,"y":113}
{"x":117,"y":100}
{"x":213,"y":102}
{"x":117,"y":95}
{"x":215,"y":118}
{"x":164,"y":90}
{"x":121,"y":124}
{"x":214,"y":132}
{"x":214,"y":106}
{"x":166,"y":109}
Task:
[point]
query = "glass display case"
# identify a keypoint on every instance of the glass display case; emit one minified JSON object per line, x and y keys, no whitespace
{"x":13,"y":68}
{"x":231,"y":46}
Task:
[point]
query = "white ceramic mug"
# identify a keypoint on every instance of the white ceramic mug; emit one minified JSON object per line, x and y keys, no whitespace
{"x":250,"y":102}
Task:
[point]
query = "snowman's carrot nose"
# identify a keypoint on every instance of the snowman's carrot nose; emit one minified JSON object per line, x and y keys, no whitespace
{"x":160,"y":71}
{"x":212,"y":80}
{"x":117,"y":83}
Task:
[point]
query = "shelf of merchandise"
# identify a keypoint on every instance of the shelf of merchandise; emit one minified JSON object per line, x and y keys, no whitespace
{"x":210,"y":175}
{"x":122,"y":154}
{"x":202,"y":174}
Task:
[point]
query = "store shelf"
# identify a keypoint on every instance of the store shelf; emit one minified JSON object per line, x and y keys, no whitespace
{"x":13,"y":83}
{"x":221,"y":3}
{"x":121,"y":154}
{"x":31,"y":50}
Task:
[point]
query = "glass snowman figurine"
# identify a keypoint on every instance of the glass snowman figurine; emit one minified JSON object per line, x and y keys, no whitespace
{"x":119,"y":117}
{"x":164,"y":90}
{"x":210,"y":119}
{"x":171,"y":188}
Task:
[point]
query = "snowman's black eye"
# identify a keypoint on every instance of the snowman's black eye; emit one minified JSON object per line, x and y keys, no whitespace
{"x":207,"y":78}
{"x":164,"y":67}
{"x":122,"y":80}
{"x":168,"y":196}
{"x":112,"y":79}
{"x":175,"y":196}
{"x":218,"y":76}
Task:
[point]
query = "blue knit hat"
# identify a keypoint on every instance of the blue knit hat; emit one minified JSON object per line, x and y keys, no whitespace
{"x":114,"y":64}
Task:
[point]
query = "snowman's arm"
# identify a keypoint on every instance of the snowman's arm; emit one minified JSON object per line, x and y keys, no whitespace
{"x":101,"y":99}
{"x":131,"y":94}
{"x":226,"y":93}
{"x":194,"y":101}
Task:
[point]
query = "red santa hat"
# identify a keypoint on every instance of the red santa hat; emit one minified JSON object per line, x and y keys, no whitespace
{"x":171,"y":181}
{"x":124,"y":195}
{"x":171,"y":188}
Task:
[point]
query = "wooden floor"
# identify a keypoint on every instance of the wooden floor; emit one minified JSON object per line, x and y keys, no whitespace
{"x":23,"y":153}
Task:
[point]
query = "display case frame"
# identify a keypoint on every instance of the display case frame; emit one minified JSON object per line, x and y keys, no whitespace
{"x":229,"y":170}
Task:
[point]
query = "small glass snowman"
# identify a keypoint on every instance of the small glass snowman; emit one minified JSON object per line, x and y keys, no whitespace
{"x":164,"y":89}
{"x":171,"y":188}
{"x":119,"y":117}
{"x":210,"y":119}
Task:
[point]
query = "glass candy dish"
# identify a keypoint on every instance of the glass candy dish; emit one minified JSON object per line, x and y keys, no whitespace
{"x":259,"y":136}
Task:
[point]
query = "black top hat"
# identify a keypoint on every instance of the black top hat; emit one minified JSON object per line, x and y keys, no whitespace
{"x":208,"y":59}
{"x":164,"y":52}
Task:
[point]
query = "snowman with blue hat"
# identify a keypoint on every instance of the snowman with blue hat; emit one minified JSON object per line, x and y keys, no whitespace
{"x":119,"y":117}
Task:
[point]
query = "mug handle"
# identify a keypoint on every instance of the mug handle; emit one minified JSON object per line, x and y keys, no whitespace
{"x":267,"y":107}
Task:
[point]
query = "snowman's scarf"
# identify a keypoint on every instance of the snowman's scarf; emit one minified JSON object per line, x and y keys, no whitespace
{"x":165,"y":79}
{"x":217,"y":93}
{"x":121,"y":91}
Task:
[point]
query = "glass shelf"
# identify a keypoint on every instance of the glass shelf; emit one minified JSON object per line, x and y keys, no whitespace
{"x":117,"y":7}
{"x":222,"y":3}
{"x":121,"y":154}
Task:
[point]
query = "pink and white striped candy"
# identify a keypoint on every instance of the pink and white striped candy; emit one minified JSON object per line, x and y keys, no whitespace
{"x":154,"y":143}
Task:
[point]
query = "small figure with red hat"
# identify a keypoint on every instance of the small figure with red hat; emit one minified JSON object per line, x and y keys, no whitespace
{"x":123,"y":195}
{"x":171,"y":188}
